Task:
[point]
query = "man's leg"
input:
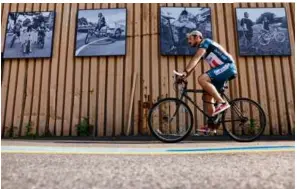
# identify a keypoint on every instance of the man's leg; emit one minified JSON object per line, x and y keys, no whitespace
{"x":205,"y":82}
{"x":209,"y":100}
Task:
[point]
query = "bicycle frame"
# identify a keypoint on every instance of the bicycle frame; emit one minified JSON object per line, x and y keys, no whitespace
{"x":184,"y":93}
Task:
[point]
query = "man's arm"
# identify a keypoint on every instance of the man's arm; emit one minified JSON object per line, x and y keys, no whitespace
{"x":194,"y":61}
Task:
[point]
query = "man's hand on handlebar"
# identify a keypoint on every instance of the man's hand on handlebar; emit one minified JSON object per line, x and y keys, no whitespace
{"x":180,"y":77}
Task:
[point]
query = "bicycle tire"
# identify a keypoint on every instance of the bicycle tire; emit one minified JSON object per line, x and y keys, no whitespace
{"x":263,"y":122}
{"x":87,"y":38}
{"x":12,"y":42}
{"x":280,"y":37}
{"x":190,"y":126}
{"x":263,"y":41}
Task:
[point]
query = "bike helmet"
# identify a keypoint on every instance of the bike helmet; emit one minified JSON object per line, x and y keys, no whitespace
{"x":100,"y":14}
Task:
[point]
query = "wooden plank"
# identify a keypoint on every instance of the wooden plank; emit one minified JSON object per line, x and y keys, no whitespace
{"x":146,"y":55}
{"x":6,"y":74}
{"x":154,"y":53}
{"x":119,"y":95}
{"x":76,"y":118}
{"x":29,"y":73}
{"x":19,"y":97}
{"x":44,"y":94}
{"x":288,"y":92}
{"x":93,"y":105}
{"x":85,"y":82}
{"x":36,"y":85}
{"x":154,"y":57}
{"x":136,"y":65}
{"x":102,"y":90}
{"x":55,"y":70}
{"x":6,"y":9}
{"x":272,"y":99}
{"x":241,"y":68}
{"x":13,"y":67}
{"x":68,"y":107}
{"x":292,"y":42}
{"x":292,"y":8}
{"x":4,"y":93}
{"x":128,"y":68}
{"x":62,"y":62}
{"x":110,"y":106}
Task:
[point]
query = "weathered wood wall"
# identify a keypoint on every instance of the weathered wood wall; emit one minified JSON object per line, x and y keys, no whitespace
{"x":54,"y":94}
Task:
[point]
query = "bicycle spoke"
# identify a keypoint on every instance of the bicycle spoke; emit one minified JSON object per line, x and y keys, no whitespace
{"x":247,"y":124}
{"x":170,"y":120}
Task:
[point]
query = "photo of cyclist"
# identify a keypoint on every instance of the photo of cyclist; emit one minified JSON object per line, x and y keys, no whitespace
{"x":262,"y":31}
{"x":176,"y":22}
{"x":34,"y":31}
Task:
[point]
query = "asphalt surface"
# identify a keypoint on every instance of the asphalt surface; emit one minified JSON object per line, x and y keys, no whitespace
{"x":273,"y":170}
{"x":103,"y":46}
{"x":270,"y":170}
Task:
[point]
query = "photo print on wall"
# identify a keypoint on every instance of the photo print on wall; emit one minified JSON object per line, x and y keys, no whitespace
{"x":176,"y":22}
{"x":101,"y":32}
{"x":29,"y":35}
{"x":262,"y":31}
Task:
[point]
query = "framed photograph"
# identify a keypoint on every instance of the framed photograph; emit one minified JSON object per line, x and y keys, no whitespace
{"x":262,"y":31}
{"x":101,"y":32}
{"x":29,"y":35}
{"x":176,"y":22}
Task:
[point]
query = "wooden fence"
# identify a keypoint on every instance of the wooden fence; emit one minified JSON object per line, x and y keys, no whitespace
{"x":55,"y":94}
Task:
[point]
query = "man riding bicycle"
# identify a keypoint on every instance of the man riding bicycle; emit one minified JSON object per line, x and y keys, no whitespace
{"x":101,"y":22}
{"x":222,"y":68}
{"x":41,"y":30}
{"x":17,"y":28}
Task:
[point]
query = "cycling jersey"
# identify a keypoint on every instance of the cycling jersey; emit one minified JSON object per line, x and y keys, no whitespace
{"x":41,"y":31}
{"x":215,"y":54}
{"x":221,"y":62}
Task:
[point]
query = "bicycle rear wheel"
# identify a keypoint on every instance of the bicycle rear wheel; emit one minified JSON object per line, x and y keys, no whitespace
{"x":245,"y":120}
{"x":170,"y":120}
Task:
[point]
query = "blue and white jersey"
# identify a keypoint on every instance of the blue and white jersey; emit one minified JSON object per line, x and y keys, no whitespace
{"x":215,"y":54}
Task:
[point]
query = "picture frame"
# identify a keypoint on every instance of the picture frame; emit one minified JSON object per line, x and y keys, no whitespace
{"x":29,"y":35}
{"x":106,"y":37}
{"x":262,"y":32}
{"x":176,"y":22}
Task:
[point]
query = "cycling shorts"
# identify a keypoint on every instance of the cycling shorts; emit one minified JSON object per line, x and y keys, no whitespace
{"x":219,"y":75}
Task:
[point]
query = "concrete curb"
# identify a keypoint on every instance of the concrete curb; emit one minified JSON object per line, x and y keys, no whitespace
{"x":149,"y":138}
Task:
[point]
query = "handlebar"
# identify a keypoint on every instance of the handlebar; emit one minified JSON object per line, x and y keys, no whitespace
{"x":178,"y":80}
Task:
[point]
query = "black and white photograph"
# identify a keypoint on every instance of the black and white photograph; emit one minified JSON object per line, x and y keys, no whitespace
{"x":101,"y":32}
{"x":29,"y":35}
{"x":263,"y":31}
{"x":176,"y":22}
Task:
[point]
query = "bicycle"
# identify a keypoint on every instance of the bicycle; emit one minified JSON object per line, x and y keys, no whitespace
{"x":93,"y":32}
{"x":171,"y":120}
{"x":266,"y":37}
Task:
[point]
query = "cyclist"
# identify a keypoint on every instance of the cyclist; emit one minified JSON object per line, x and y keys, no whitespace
{"x":41,"y":30}
{"x":247,"y":24}
{"x":17,"y":29}
{"x":266,"y":25}
{"x":101,"y":22}
{"x":222,"y":68}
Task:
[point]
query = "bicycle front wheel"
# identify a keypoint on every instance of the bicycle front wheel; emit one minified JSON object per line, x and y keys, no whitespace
{"x":245,"y":120}
{"x":170,"y":120}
